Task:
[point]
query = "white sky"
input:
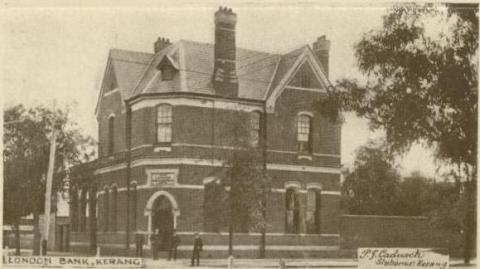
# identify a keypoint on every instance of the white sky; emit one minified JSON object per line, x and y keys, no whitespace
{"x":61,"y":53}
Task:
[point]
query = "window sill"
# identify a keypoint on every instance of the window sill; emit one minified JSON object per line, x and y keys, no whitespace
{"x":304,"y":157}
{"x":162,"y":148}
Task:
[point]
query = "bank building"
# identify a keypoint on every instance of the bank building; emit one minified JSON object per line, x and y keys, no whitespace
{"x":163,"y":120}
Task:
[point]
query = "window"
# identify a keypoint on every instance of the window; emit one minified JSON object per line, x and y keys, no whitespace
{"x":164,"y":123}
{"x":214,"y":206}
{"x":106,"y":214}
{"x":114,"y":207}
{"x":292,"y":207}
{"x":74,"y":209}
{"x":83,"y":210}
{"x":313,"y":210}
{"x":167,"y":74}
{"x":92,"y":206}
{"x":304,"y":133}
{"x":255,"y":128}
{"x":133,"y":216}
{"x":111,"y":130}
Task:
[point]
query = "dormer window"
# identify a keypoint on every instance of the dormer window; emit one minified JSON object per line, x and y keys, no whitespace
{"x":167,"y":67}
{"x":167,"y":74}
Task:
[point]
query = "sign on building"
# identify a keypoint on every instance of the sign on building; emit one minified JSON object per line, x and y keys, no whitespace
{"x":162,"y":177}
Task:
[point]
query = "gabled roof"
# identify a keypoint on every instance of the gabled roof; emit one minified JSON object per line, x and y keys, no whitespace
{"x":125,"y":67}
{"x":259,"y":73}
{"x":284,"y":65}
{"x":128,"y":66}
{"x":195,"y":60}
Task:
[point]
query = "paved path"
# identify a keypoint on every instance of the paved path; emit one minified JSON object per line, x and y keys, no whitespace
{"x":274,"y":263}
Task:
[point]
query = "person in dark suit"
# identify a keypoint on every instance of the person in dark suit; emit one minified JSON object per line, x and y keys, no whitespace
{"x":174,"y":242}
{"x":155,"y":240}
{"x":139,"y":241}
{"x":197,"y":247}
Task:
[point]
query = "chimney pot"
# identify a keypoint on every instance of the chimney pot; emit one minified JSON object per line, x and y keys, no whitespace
{"x":160,"y":44}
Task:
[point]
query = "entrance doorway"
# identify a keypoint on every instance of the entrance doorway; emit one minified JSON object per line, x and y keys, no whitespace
{"x":163,"y":221}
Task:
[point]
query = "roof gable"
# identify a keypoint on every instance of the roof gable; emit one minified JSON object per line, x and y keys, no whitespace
{"x":303,"y":59}
{"x":261,"y":75}
{"x":122,"y":72}
{"x":305,"y":77}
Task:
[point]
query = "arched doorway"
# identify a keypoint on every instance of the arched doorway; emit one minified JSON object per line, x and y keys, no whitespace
{"x":162,"y":220}
{"x":292,"y":206}
{"x":162,"y":212}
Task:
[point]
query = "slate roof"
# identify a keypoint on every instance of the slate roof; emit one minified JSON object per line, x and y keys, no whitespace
{"x":258,"y":72}
{"x":128,"y":66}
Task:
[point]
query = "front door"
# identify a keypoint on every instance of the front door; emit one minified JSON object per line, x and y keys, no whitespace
{"x":163,"y":221}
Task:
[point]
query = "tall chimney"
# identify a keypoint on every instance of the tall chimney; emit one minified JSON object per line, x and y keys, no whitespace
{"x":321,"y":48}
{"x":160,"y":44}
{"x":225,"y":81}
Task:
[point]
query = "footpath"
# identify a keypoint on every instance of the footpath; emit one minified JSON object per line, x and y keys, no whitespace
{"x":253,"y":263}
{"x":275,"y":263}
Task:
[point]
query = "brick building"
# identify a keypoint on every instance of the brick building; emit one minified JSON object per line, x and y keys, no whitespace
{"x":165,"y":121}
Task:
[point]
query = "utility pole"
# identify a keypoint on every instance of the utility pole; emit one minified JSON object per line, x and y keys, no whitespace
{"x":48,"y":191}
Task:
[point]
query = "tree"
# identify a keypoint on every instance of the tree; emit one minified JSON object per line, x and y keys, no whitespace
{"x":372,"y":187}
{"x":214,"y":207}
{"x":26,"y":151}
{"x":421,"y":196}
{"x":247,"y":179}
{"x":421,"y":86}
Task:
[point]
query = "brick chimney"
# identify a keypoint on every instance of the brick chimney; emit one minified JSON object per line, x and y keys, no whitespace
{"x":321,"y":48}
{"x":160,"y":44}
{"x":225,"y":81}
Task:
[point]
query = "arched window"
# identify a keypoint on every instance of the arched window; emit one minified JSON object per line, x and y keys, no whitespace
{"x":292,"y":207}
{"x":133,"y":203}
{"x":164,"y":123}
{"x":92,"y":205}
{"x":83,"y":210}
{"x":113,"y":206}
{"x":106,"y":212}
{"x":214,"y":205}
{"x":304,"y":133}
{"x":87,"y":208}
{"x":74,"y":209}
{"x":111,"y":136}
{"x":255,"y":128}
{"x":313,"y":210}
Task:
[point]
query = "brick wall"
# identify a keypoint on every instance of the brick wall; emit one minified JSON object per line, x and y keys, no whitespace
{"x":190,"y":201}
{"x":111,"y":104}
{"x":282,"y":123}
{"x":393,"y":231}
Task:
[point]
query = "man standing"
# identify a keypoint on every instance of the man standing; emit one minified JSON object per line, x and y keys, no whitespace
{"x":155,"y":241}
{"x":197,"y":247}
{"x":139,"y":240}
{"x":174,"y":242}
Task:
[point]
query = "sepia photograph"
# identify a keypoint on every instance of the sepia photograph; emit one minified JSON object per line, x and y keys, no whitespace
{"x":239,"y":134}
